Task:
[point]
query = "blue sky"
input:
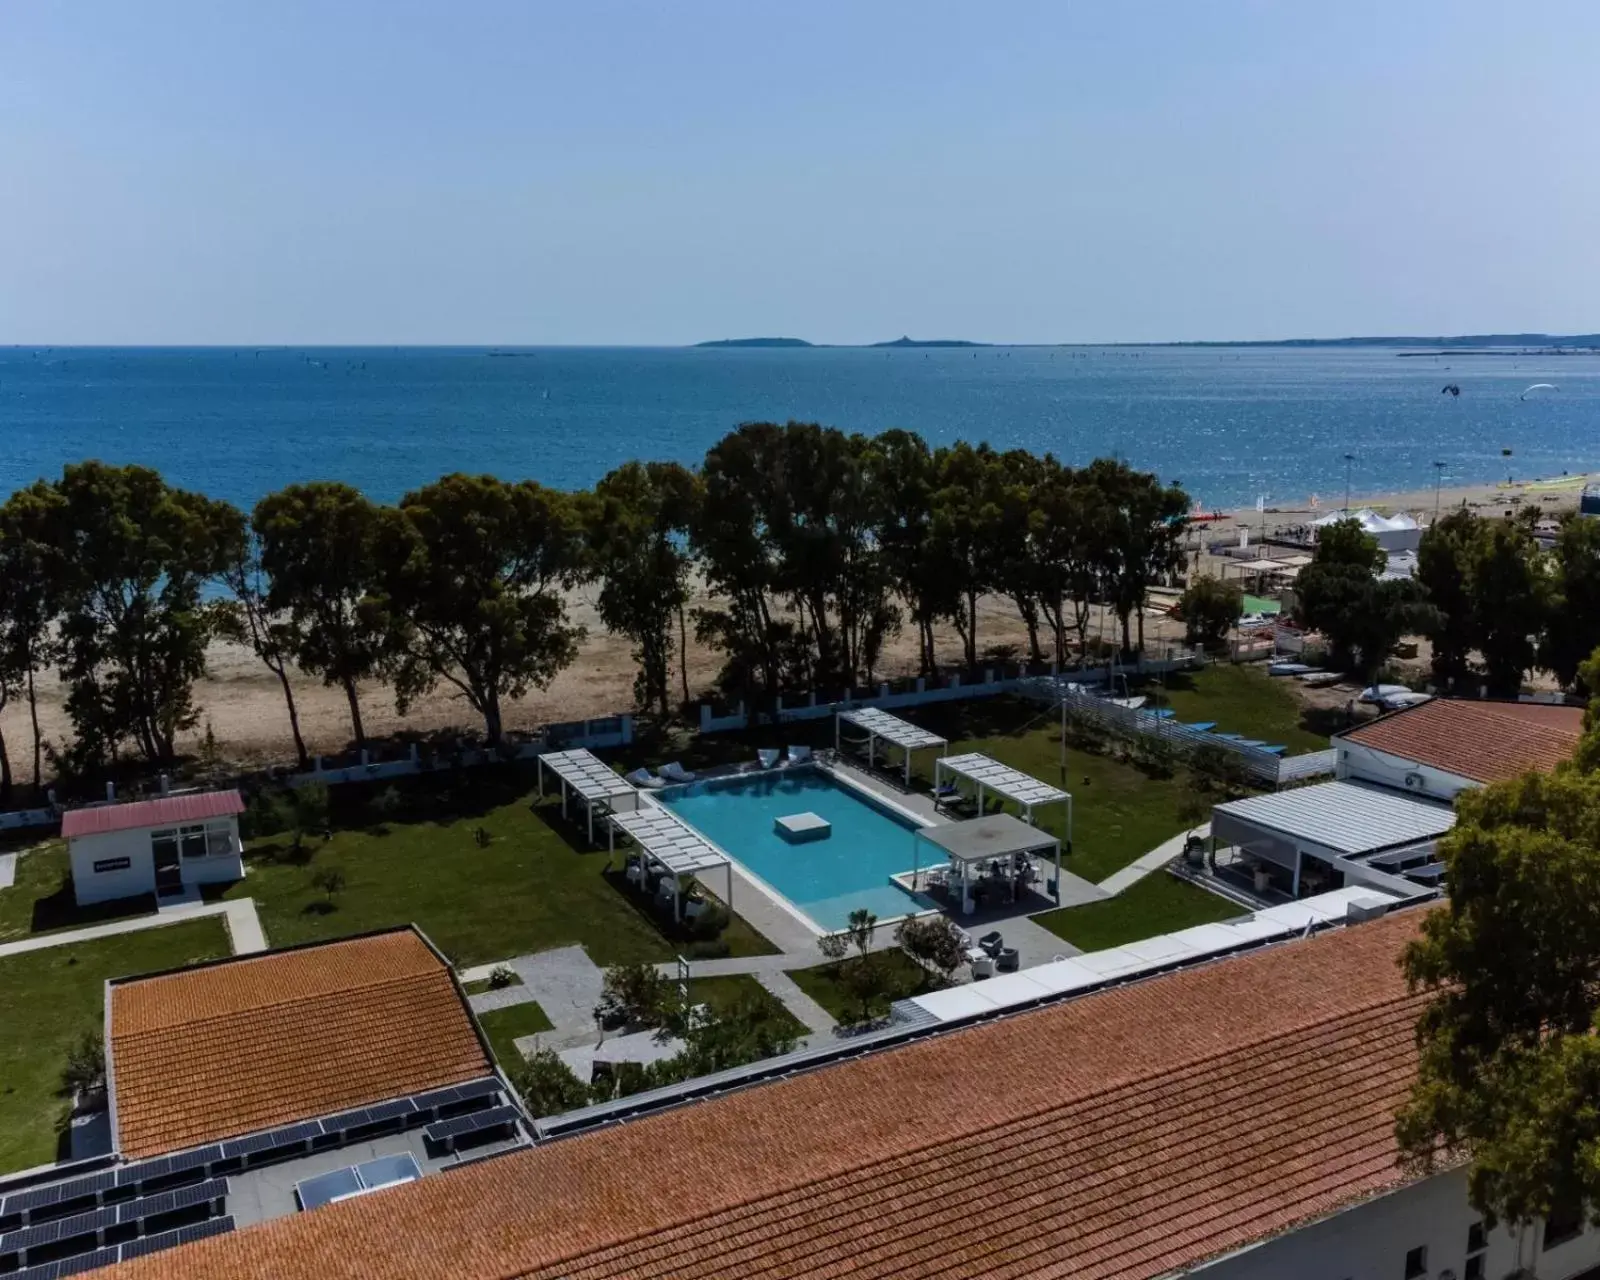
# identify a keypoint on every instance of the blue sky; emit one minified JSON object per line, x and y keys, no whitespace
{"x":400,"y":172}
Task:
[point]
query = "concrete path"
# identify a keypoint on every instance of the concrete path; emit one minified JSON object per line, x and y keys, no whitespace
{"x":566,"y":984}
{"x":8,"y":870}
{"x":244,"y":927}
{"x":817,"y":1020}
{"x":1155,"y":860}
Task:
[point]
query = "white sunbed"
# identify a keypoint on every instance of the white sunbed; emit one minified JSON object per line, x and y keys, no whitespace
{"x":768,"y":756}
{"x":643,"y":778}
{"x":672,"y":771}
{"x":799,"y":755}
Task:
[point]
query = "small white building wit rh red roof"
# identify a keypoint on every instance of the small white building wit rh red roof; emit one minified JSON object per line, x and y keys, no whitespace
{"x":161,"y":846}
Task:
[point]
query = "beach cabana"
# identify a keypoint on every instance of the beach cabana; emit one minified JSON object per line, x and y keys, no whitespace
{"x":989,"y":775}
{"x":589,"y":778}
{"x":880,"y":726}
{"x":977,"y":846}
{"x":673,"y":845}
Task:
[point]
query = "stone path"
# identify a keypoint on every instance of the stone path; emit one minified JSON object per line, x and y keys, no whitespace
{"x":244,"y":927}
{"x":566,"y":984}
{"x":1155,"y":860}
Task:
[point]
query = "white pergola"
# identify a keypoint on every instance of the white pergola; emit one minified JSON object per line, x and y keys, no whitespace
{"x":891,"y":729}
{"x":588,"y":777}
{"x":996,"y":841}
{"x":673,"y":845}
{"x":987,"y":774}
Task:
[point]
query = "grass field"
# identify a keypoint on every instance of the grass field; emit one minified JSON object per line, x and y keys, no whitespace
{"x":825,"y":983}
{"x":41,"y":900}
{"x":720,"y":994}
{"x":49,"y":998}
{"x":503,"y":1027}
{"x":1241,"y":699}
{"x":1160,"y":903}
{"x":412,"y":855}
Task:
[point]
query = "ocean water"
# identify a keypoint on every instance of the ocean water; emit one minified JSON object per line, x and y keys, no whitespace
{"x":1229,"y":423}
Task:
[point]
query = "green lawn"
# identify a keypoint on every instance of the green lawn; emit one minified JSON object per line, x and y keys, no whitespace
{"x":723,"y":993}
{"x":414,"y":857}
{"x":41,"y":900}
{"x":825,"y":983}
{"x":49,"y":998}
{"x":503,"y":1027}
{"x":1241,"y":699}
{"x":1160,"y":903}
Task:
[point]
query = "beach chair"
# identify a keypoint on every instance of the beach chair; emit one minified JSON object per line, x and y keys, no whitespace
{"x":767,"y":757}
{"x":799,"y":755}
{"x":643,"y":778}
{"x":672,"y":771}
{"x":1202,"y":726}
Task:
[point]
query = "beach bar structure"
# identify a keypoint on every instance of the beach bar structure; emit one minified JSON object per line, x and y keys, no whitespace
{"x":591,"y":779}
{"x":979,"y":846}
{"x":880,"y":726}
{"x":990,"y":776}
{"x":673,"y":845}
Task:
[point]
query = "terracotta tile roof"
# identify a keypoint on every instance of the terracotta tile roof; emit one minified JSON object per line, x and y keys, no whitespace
{"x":1122,"y":1134}
{"x":1484,"y":741}
{"x":235,"y":1047}
{"x":98,"y":819}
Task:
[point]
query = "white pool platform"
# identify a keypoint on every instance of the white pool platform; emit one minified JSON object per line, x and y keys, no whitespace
{"x":799,"y":827}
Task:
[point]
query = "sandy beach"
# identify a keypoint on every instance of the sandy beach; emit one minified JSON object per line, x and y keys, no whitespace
{"x":243,"y":705}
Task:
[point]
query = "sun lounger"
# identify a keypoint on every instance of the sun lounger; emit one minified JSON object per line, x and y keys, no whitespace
{"x":643,"y":778}
{"x":1202,"y":726}
{"x":1275,"y":748}
{"x":1160,"y":713}
{"x":767,"y":756}
{"x":799,"y":755}
{"x":672,"y":771}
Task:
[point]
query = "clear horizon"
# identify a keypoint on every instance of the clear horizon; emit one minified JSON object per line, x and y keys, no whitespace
{"x":411,"y":174}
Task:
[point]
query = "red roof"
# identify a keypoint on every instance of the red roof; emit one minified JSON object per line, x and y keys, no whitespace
{"x":1128,"y":1134}
{"x":99,"y":819}
{"x":1484,"y":741}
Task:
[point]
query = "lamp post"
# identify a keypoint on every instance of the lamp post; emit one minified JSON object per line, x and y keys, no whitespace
{"x":1349,"y":460}
{"x":1438,"y":479}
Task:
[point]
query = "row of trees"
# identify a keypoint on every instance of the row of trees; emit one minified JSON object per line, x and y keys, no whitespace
{"x":1493,"y":603}
{"x":816,"y":547}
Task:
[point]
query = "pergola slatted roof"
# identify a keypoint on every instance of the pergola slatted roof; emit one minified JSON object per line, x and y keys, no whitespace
{"x":892,"y":729}
{"x":1003,"y":780}
{"x":590,"y":777}
{"x":669,"y":840}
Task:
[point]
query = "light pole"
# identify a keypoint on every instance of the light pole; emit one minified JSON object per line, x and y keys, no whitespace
{"x":1438,"y":479}
{"x":1349,"y":460}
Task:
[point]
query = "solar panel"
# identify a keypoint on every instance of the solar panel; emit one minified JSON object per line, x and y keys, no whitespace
{"x":181,"y":1235}
{"x":461,"y":1126}
{"x":289,"y":1135}
{"x":389,"y":1110}
{"x":58,"y":1193}
{"x":171,"y":1201}
{"x":67,"y":1266}
{"x":477,"y":1089}
{"x":79,"y":1224}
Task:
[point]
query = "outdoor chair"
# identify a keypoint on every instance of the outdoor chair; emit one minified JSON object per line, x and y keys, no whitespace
{"x":767,"y":757}
{"x":643,"y":778}
{"x":1008,"y":960}
{"x":992,"y":942}
{"x":799,"y":755}
{"x":672,"y":771}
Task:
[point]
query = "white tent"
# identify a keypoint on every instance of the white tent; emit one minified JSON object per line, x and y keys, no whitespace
{"x":1398,"y":532}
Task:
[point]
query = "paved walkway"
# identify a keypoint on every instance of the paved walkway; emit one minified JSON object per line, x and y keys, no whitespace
{"x":1155,"y":860}
{"x":244,"y":927}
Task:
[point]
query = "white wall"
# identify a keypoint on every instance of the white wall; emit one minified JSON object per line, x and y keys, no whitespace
{"x":1373,"y":1238}
{"x":1364,"y":764}
{"x":92,"y":886}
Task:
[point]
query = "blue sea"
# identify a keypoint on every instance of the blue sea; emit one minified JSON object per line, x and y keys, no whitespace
{"x":1231,"y":424}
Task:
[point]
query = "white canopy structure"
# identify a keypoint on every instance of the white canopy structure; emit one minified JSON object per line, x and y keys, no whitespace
{"x":880,"y":725}
{"x":1020,"y":788}
{"x":673,"y":845}
{"x":1398,"y":532}
{"x":999,"y":842}
{"x":590,"y":778}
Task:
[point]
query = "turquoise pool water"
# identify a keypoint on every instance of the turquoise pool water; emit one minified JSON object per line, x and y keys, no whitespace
{"x":826,"y":879}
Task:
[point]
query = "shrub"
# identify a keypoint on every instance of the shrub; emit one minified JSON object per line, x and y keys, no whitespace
{"x":502,"y":976}
{"x":633,"y":994}
{"x":266,"y":813}
{"x":548,"y":1086}
{"x":1209,"y":608}
{"x":330,"y":880}
{"x":85,"y":1068}
{"x":934,"y":942}
{"x":710,"y":923}
{"x":386,"y":804}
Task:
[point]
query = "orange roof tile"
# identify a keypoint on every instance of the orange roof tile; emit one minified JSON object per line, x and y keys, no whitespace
{"x":1484,"y":741}
{"x":232,"y":1048}
{"x":1127,"y":1133}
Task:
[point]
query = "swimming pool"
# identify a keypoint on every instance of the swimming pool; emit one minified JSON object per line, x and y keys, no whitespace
{"x":825,"y":879}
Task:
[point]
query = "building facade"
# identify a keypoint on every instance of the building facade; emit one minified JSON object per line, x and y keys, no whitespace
{"x":163,"y":847}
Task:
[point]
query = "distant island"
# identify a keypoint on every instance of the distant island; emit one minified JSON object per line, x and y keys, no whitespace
{"x":801,"y":342}
{"x":756,"y":342}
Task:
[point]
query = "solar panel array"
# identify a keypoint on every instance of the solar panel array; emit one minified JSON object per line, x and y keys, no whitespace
{"x":1002,"y":779}
{"x":587,"y":774}
{"x":670,"y":840}
{"x":448,"y":1132}
{"x":82,"y":1262}
{"x":892,"y":729}
{"x":115,"y":1215}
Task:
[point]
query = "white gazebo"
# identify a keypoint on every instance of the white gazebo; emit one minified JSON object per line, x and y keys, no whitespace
{"x":996,"y":846}
{"x":989,"y":775}
{"x":673,"y":845}
{"x":881,"y":726}
{"x":589,"y":778}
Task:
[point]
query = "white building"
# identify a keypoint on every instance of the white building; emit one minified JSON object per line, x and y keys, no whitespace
{"x":161,"y":846}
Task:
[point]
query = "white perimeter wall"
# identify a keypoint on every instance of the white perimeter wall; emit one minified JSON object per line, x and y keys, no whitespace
{"x":1359,"y":763}
{"x":1372,"y":1240}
